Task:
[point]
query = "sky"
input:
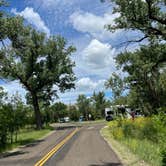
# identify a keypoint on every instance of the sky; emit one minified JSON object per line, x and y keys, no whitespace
{"x":82,"y":23}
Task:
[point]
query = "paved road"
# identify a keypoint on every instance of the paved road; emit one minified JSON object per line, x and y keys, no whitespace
{"x":30,"y":154}
{"x":86,"y":148}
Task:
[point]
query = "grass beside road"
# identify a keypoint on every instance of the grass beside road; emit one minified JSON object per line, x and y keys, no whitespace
{"x":144,"y":137}
{"x":123,"y":152}
{"x":26,"y":136}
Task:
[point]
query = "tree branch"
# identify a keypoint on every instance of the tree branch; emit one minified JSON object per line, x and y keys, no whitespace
{"x":132,"y":41}
{"x":151,"y":16}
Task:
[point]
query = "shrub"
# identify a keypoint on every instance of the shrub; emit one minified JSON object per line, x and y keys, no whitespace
{"x":163,"y":154}
{"x":74,"y":115}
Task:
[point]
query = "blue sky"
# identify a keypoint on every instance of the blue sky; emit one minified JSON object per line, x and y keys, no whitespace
{"x":81,"y":22}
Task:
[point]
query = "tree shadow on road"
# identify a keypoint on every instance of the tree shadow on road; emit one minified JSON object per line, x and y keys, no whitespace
{"x":64,"y":127}
{"x":107,"y":164}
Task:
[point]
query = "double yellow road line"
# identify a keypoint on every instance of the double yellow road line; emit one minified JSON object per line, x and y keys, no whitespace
{"x":55,"y":149}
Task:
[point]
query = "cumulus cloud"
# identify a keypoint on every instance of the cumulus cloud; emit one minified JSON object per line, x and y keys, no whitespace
{"x":98,"y":55}
{"x":86,"y":84}
{"x":95,"y":25}
{"x":33,"y":18}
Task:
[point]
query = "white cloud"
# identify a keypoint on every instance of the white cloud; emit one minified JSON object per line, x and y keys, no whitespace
{"x":86,"y":84}
{"x":98,"y":55}
{"x":33,"y":18}
{"x":93,"y":24}
{"x":13,"y":87}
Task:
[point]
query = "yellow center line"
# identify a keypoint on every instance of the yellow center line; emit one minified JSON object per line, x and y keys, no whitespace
{"x":56,"y":148}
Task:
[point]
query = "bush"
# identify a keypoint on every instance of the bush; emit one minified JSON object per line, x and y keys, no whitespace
{"x":74,"y":115}
{"x":163,"y":154}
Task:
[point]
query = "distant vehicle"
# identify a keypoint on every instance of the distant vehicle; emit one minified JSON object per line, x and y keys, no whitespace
{"x":64,"y":120}
{"x":109,"y":113}
{"x":81,"y":118}
{"x":67,"y":119}
{"x":121,"y":110}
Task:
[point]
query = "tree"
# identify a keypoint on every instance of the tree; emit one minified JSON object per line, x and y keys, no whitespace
{"x":3,"y":119}
{"x":3,"y":96}
{"x":99,"y":103}
{"x":59,"y":110}
{"x":42,"y":65}
{"x":116,"y":84}
{"x":83,"y":104}
{"x":146,"y":16}
{"x":74,"y":113}
{"x":145,"y":68}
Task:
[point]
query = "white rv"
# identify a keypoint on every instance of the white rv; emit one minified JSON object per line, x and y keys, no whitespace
{"x":109,"y":114}
{"x":117,"y":110}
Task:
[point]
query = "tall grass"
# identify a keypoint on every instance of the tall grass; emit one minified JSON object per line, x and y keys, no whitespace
{"x":146,"y":137}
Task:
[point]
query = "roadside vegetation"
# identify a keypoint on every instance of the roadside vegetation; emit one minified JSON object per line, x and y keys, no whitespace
{"x":17,"y":123}
{"x":25,"y":136}
{"x":145,"y":137}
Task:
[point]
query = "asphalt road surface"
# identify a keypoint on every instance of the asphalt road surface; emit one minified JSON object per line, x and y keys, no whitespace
{"x":31,"y":153}
{"x":85,"y":148}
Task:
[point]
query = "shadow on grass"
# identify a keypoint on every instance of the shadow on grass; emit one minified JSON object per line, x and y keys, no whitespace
{"x":9,"y":154}
{"x":107,"y":164}
{"x":30,"y":142}
{"x":21,"y":144}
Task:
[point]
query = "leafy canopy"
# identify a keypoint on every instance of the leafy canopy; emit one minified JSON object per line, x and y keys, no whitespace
{"x":116,"y":84}
{"x":146,"y":72}
{"x":39,"y":63}
{"x":146,"y":16}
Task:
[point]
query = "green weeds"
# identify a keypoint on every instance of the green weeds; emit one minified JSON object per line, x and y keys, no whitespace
{"x":144,"y":137}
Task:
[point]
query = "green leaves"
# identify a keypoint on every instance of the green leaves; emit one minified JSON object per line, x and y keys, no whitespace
{"x":146,"y":72}
{"x":146,"y":16}
{"x":116,"y":84}
{"x":99,"y":103}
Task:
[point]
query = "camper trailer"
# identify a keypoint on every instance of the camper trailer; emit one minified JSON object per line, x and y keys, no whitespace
{"x":117,"y":110}
{"x":109,"y":114}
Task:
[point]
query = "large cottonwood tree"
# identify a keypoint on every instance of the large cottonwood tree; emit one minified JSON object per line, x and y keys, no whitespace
{"x":41,"y":64}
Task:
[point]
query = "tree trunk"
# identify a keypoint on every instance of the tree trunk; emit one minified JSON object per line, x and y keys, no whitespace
{"x":37,"y":111}
{"x":16,"y":136}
